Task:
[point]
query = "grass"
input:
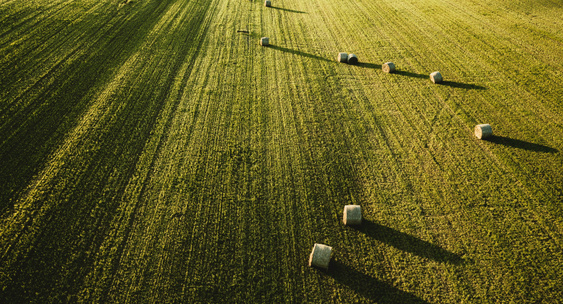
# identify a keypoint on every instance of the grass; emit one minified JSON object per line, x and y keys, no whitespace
{"x":153,"y":151}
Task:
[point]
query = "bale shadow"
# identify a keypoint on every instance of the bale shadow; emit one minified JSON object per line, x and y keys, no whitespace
{"x":300,"y":53}
{"x":288,"y":10}
{"x":368,"y":286}
{"x":247,"y":33}
{"x":460,"y":85}
{"x":369,"y":65}
{"x":398,"y":72}
{"x":408,"y":243}
{"x":520,"y":144}
{"x":410,"y":74}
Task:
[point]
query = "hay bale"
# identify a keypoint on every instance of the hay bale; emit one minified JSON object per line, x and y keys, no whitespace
{"x":320,"y":256}
{"x":342,"y":57}
{"x":352,"y":59}
{"x":267,"y":3}
{"x":436,"y":77}
{"x":352,"y":215}
{"x":388,"y":67}
{"x":264,"y":41}
{"x":483,"y":131}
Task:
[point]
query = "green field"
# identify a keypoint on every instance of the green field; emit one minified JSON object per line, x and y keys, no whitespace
{"x":151,"y":151}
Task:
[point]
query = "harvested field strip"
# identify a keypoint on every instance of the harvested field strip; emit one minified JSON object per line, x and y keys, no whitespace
{"x":89,"y":150}
{"x":154,"y":151}
{"x":56,"y":100}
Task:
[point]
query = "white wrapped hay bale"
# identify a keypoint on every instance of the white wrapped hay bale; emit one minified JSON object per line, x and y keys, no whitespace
{"x":264,"y":41}
{"x":388,"y":67}
{"x":483,"y":131}
{"x":320,"y":256}
{"x":342,"y":57}
{"x":352,"y":59}
{"x":267,"y":3}
{"x":352,"y":215}
{"x":436,"y":77}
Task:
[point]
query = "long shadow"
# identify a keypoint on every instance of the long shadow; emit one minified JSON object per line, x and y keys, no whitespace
{"x":402,"y":73}
{"x":408,"y":243}
{"x":300,"y":53}
{"x":288,"y":10}
{"x":516,"y":143}
{"x":247,"y":33}
{"x":411,"y":74}
{"x":369,"y":65}
{"x":460,"y":85}
{"x":370,"y":287}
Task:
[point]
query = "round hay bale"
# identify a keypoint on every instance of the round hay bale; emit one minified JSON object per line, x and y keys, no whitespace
{"x":352,"y":215}
{"x":342,"y":57}
{"x":388,"y":67}
{"x":320,"y":256}
{"x":436,"y":77}
{"x":352,"y":59}
{"x":483,"y":131}
{"x":267,"y":3}
{"x":264,"y":41}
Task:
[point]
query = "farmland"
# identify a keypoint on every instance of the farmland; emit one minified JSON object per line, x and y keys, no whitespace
{"x":152,"y":151}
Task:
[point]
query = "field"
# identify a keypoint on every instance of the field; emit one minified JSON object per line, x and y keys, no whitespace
{"x":152,"y":151}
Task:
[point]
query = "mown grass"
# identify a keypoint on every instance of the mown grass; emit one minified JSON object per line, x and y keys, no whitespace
{"x":153,"y":151}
